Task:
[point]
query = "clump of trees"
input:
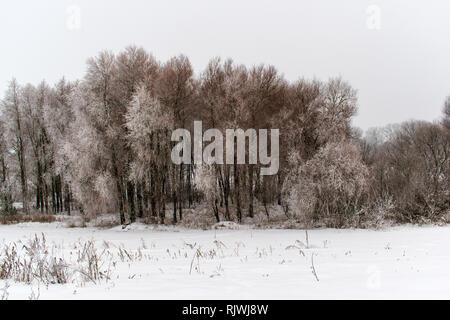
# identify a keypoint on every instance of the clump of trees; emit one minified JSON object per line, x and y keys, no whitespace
{"x":103,"y":145}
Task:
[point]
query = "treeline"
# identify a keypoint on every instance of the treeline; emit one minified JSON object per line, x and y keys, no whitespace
{"x":103,"y":145}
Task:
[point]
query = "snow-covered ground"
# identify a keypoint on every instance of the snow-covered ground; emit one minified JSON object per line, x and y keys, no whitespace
{"x":405,"y":262}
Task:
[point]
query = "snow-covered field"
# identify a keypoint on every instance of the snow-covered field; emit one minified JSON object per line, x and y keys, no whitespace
{"x":144,"y":262}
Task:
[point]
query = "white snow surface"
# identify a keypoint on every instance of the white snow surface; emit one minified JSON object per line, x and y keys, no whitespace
{"x":407,"y":262}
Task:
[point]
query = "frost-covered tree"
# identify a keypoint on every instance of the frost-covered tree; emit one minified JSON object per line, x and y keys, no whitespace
{"x":330,"y":187}
{"x":14,"y":120}
{"x":58,"y":116}
{"x":42,"y":174}
{"x":86,"y":157}
{"x":413,"y":169}
{"x":135,"y":67}
{"x":338,"y":106}
{"x":446,"y":114}
{"x":222,"y":87}
{"x":97,"y":144}
{"x":206,"y":182}
{"x":176,"y":90}
{"x":6,"y":183}
{"x":103,"y":144}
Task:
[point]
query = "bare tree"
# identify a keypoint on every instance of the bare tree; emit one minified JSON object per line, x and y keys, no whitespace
{"x":13,"y":113}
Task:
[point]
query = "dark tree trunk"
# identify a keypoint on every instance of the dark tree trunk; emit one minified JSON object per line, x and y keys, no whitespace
{"x":216,"y":210}
{"x":139,"y":200}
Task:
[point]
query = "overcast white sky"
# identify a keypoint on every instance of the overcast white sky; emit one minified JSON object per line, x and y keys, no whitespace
{"x":401,"y":71}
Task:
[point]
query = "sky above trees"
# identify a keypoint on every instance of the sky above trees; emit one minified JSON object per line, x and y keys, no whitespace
{"x":400,"y":70}
{"x":103,"y":144}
